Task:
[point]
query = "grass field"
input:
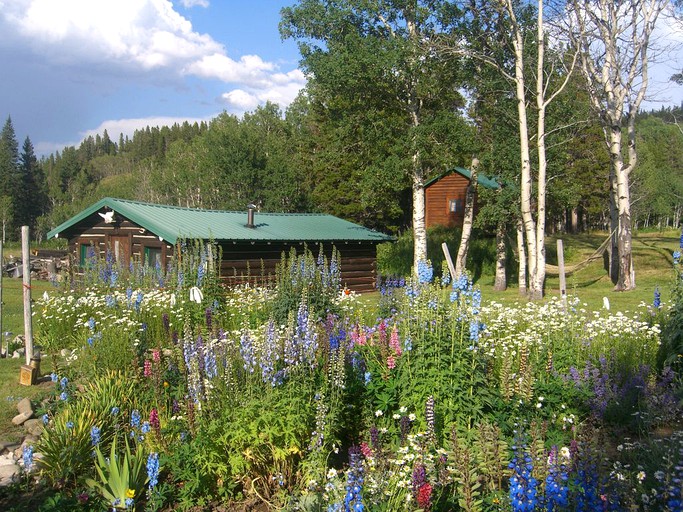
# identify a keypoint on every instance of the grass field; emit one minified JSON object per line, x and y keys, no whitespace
{"x":652,"y":261}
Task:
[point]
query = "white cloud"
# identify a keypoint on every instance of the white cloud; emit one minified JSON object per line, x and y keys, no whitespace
{"x":239,"y":100}
{"x":130,"y":36}
{"x":194,"y":3}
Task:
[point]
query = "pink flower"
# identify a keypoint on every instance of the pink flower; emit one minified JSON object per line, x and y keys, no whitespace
{"x":394,"y":342}
{"x":362,"y":338}
{"x":391,"y":362}
{"x":365,"y":450}
{"x":154,"y":419}
{"x":156,"y":356}
{"x":424,"y":496}
{"x":148,"y":368}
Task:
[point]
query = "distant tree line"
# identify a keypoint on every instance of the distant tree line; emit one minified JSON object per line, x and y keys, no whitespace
{"x":290,"y":162}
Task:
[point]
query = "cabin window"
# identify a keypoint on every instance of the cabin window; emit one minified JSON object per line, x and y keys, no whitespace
{"x":454,"y":205}
{"x":153,"y":257}
{"x":87,"y":255}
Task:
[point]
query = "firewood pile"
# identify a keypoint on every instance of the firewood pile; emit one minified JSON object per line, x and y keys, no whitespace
{"x":46,"y":264}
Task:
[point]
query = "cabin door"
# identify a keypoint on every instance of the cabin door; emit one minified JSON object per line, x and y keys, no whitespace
{"x":120,"y":247}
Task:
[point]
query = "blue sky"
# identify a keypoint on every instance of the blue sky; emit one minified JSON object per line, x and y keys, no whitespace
{"x":71,"y":68}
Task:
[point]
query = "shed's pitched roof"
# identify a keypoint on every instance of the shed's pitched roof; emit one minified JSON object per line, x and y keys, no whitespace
{"x":482,"y":180}
{"x":174,"y":222}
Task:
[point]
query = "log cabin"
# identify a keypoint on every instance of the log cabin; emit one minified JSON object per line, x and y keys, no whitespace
{"x":445,"y":197}
{"x":250,"y":241}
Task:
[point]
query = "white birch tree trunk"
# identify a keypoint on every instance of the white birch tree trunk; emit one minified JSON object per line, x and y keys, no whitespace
{"x":500,"y":282}
{"x":521,"y":255}
{"x":468,"y":219}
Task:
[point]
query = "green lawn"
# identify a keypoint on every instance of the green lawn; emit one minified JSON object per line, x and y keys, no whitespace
{"x":10,"y":389}
{"x":652,"y":260}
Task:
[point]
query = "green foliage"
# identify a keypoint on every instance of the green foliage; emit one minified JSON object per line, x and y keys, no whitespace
{"x":671,"y":350}
{"x":122,"y":476}
{"x":396,"y":258}
{"x":303,"y":277}
{"x":66,"y":445}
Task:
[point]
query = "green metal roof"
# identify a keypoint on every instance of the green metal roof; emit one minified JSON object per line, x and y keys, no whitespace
{"x":482,"y":180}
{"x":174,"y":222}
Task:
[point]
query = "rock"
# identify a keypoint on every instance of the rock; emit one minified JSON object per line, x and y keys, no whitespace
{"x":30,"y":439}
{"x":6,"y":459}
{"x":4,"y":445}
{"x":11,"y":449}
{"x":19,"y":419}
{"x":24,"y":406}
{"x":34,"y":426}
{"x":7,"y":473}
{"x":18,"y":339}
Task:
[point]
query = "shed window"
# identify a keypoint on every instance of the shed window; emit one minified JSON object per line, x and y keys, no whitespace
{"x":153,"y":256}
{"x":454,"y":205}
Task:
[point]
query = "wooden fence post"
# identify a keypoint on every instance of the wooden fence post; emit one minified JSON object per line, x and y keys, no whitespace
{"x":447,"y":255}
{"x":560,"y":264}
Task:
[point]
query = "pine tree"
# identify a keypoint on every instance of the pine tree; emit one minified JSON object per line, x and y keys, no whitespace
{"x":9,"y":170}
{"x":32,"y":203}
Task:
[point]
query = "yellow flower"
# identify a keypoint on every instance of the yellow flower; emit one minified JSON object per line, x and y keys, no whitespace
{"x":130,"y":493}
{"x":165,"y":383}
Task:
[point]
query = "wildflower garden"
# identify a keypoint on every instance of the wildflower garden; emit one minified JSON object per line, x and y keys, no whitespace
{"x":175,"y":393}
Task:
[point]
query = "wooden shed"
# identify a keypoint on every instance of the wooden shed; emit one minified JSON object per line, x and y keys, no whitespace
{"x":445,"y":197}
{"x":251,"y":242}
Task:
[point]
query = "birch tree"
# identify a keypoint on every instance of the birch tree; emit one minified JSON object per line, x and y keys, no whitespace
{"x":613,"y":38}
{"x":400,"y":83}
{"x":468,"y":219}
{"x":548,"y":80}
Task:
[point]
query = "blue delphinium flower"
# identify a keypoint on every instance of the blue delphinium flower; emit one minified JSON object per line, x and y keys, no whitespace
{"x":210,"y":366}
{"x":135,"y":419}
{"x":46,"y":419}
{"x":353,"y":501}
{"x":95,"y":435}
{"x":129,"y":502}
{"x":138,"y":300}
{"x":145,"y":427}
{"x":114,"y":411}
{"x":54,"y":377}
{"x":28,"y":457}
{"x":63,"y":382}
{"x":556,"y":490}
{"x":69,"y":424}
{"x":657,"y":302}
{"x":523,"y":486}
{"x":91,"y":323}
{"x":677,"y":257}
{"x":153,"y":469}
{"x":425,"y":272}
{"x":63,"y":396}
{"x":247,"y":351}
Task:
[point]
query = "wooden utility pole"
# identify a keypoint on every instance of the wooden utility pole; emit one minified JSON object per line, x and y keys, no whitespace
{"x":2,"y":334}
{"x":26,"y":262}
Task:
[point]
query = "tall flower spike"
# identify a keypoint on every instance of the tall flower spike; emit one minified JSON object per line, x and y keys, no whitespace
{"x":429,"y":417}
